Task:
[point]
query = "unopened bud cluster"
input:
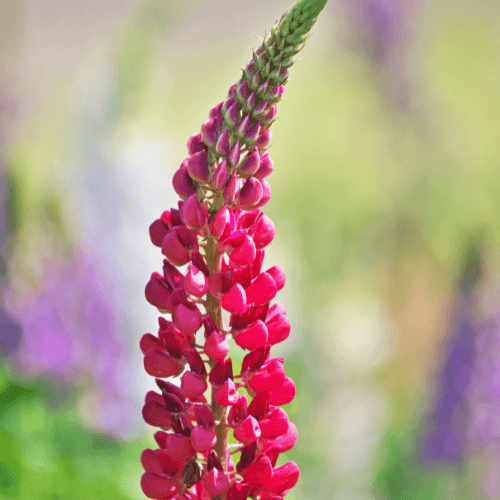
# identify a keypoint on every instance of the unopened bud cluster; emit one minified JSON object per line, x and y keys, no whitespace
{"x":220,"y":233}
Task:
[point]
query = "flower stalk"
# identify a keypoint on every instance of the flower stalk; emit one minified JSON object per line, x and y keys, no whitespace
{"x":220,"y":233}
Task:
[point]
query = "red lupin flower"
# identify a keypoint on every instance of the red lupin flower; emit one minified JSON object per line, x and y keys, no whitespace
{"x":220,"y":232}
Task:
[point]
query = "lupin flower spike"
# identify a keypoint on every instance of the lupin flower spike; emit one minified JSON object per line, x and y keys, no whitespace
{"x":220,"y":232}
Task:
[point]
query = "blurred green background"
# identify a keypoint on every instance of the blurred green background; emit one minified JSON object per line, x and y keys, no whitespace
{"x":386,"y":157}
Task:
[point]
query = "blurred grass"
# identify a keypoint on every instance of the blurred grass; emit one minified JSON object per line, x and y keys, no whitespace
{"x":47,"y":454}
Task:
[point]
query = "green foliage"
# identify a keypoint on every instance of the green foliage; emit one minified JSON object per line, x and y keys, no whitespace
{"x":47,"y":454}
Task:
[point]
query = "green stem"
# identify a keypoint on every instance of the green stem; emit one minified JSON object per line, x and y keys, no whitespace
{"x":213,"y":307}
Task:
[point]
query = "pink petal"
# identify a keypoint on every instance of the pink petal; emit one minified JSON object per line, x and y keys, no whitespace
{"x":285,"y":442}
{"x":253,"y":337}
{"x":261,"y":290}
{"x":159,"y":486}
{"x":284,"y":394}
{"x":156,"y":414}
{"x":278,"y":328}
{"x":187,"y":319}
{"x":150,"y":462}
{"x":259,"y":472}
{"x":160,"y":364}
{"x":179,"y":447}
{"x":284,"y":478}
{"x":157,"y":231}
{"x":193,"y":214}
{"x":232,"y":189}
{"x":238,"y":412}
{"x":174,"y":250}
{"x":251,"y":163}
{"x":157,"y":292}
{"x":203,"y":439}
{"x":266,"y":168}
{"x":216,"y":482}
{"x":266,"y":194}
{"x":278,"y":276}
{"x":193,"y":385}
{"x":235,"y":300}
{"x":264,"y":232}
{"x":195,"y":144}
{"x":221,"y":176}
{"x":183,"y":184}
{"x":270,"y":377}
{"x":198,"y":167}
{"x":248,"y":431}
{"x":227,"y":394}
{"x":196,"y":282}
{"x":238,"y":491}
{"x":216,"y":346}
{"x":149,"y":341}
{"x":244,"y":253}
{"x":275,"y":424}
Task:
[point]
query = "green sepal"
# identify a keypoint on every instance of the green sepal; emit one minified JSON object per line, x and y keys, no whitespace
{"x":287,"y":63}
{"x":271,"y":50}
{"x":304,"y":17}
{"x":238,"y":95}
{"x":211,"y":158}
{"x":246,"y":74}
{"x":258,"y":62}
{"x":275,"y":73}
{"x":266,"y":70}
{"x":262,"y":90}
{"x":275,"y":61}
{"x":254,"y":82}
{"x":285,"y":30}
{"x":285,"y":40}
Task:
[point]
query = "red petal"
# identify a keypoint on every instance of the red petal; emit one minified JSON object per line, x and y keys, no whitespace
{"x":263,"y":289}
{"x":284,"y":394}
{"x":274,"y":424}
{"x":226,"y":394}
{"x":160,"y":364}
{"x":179,"y":447}
{"x":159,"y":486}
{"x":253,"y":337}
{"x":216,"y":482}
{"x":244,"y":253}
{"x":278,"y":329}
{"x":284,"y":478}
{"x":203,"y":439}
{"x":235,"y":300}
{"x":149,"y":341}
{"x":248,"y":431}
{"x":216,"y":346}
{"x":270,"y":377}
{"x":193,"y":385}
{"x":259,"y":472}
{"x":156,"y":414}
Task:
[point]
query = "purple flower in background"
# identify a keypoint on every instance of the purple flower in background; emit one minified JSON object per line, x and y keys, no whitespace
{"x":465,"y":419}
{"x":484,"y":428}
{"x":10,"y":330}
{"x":10,"y":334}
{"x":382,"y":22}
{"x":378,"y":25}
{"x":383,"y":31}
{"x":446,"y":438}
{"x":70,"y":326}
{"x":66,"y":322}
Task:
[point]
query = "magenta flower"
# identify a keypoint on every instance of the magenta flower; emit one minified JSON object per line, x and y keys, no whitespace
{"x":219,"y":231}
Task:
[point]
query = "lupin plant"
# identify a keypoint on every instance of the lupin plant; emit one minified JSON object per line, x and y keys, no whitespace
{"x":219,"y":231}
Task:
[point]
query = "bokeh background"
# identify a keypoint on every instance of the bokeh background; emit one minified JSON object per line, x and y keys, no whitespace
{"x":386,"y":203}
